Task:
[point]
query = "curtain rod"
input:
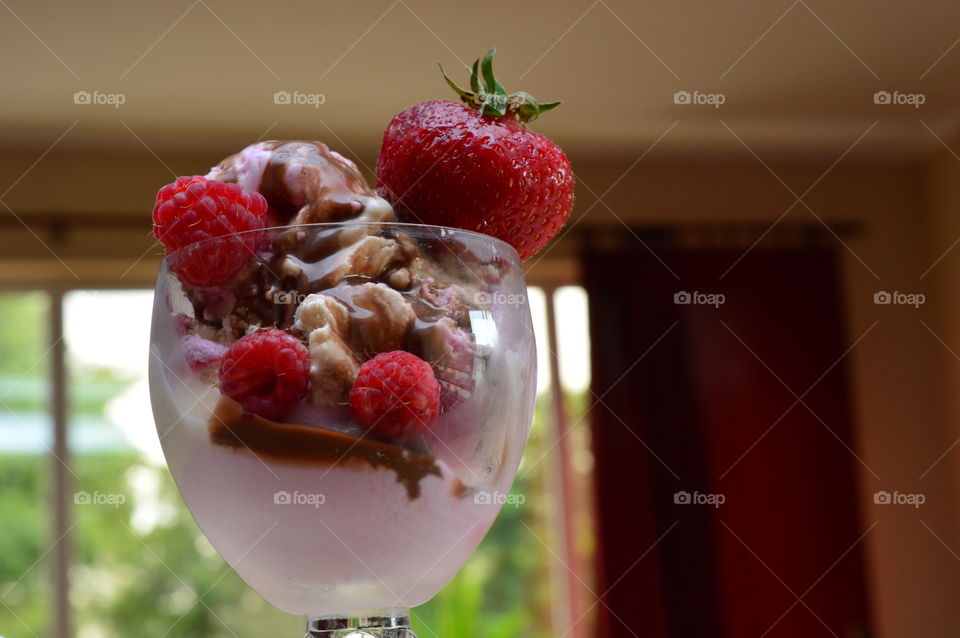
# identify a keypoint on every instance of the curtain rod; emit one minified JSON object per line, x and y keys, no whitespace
{"x":64,"y":221}
{"x":726,"y":234}
{"x":683,"y":233}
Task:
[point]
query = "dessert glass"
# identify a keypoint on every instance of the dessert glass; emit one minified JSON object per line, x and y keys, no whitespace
{"x":319,"y":514}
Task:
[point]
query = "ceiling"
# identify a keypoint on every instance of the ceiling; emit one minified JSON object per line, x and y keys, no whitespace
{"x":797,"y":77}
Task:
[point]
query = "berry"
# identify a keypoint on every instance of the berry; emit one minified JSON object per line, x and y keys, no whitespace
{"x":395,"y":395}
{"x":476,"y":166}
{"x":193,"y":209}
{"x":202,"y":354}
{"x":266,"y":372}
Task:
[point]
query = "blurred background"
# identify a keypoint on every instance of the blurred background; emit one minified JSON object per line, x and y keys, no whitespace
{"x":749,"y":329}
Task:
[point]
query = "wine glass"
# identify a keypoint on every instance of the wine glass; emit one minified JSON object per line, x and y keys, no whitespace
{"x":348,"y":523}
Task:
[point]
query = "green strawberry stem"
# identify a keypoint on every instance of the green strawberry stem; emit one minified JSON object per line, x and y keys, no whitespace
{"x":490,"y":98}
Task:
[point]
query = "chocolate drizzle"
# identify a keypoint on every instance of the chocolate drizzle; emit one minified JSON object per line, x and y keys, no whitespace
{"x":303,"y":182}
{"x":230,"y":426}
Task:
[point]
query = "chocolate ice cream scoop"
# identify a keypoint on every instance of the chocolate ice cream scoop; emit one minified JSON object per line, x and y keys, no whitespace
{"x":304,"y":183}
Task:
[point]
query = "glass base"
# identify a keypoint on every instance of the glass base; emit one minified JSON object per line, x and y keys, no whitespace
{"x":388,"y":623}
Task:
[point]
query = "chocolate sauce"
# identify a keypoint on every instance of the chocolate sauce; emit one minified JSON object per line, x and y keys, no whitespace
{"x":230,"y":426}
{"x":461,"y":490}
{"x":329,"y":189}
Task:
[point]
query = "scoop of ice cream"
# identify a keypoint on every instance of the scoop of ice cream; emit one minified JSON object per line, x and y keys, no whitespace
{"x":380,"y":320}
{"x":333,"y":368}
{"x":319,"y":310}
{"x":304,"y":183}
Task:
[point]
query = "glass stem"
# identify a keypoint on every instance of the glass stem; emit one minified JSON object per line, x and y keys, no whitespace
{"x":384,"y":623}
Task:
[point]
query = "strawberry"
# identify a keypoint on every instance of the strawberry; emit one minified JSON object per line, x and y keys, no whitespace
{"x":476,"y":166}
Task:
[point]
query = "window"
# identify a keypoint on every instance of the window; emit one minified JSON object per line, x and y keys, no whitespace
{"x":138,"y":564}
{"x":141,"y":566}
{"x":26,"y":440}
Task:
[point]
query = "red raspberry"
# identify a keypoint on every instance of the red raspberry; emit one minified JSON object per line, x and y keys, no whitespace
{"x":193,"y":209}
{"x":266,"y":372}
{"x":396,"y":395}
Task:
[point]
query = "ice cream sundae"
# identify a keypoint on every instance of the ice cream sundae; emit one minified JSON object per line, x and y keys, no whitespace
{"x":341,"y":376}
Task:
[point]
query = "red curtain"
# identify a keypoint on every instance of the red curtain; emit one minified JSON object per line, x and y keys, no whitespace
{"x":725,"y":507}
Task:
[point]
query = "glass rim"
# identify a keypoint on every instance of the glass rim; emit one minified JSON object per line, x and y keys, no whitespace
{"x":357,"y":224}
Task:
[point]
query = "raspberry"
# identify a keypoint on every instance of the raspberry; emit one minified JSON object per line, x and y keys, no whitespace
{"x":396,"y":395}
{"x":266,"y":372}
{"x":193,"y":209}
